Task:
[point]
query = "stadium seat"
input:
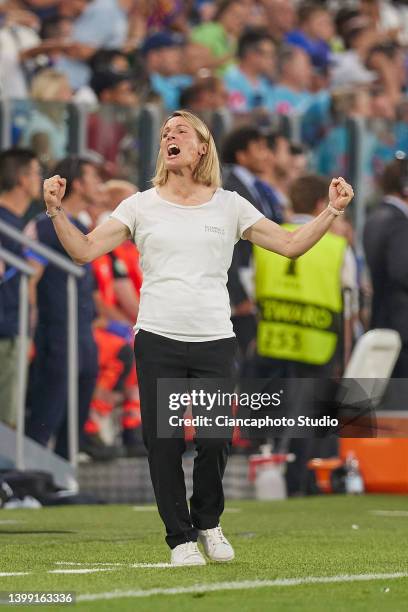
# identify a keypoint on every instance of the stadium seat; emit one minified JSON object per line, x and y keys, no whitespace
{"x":372,"y":362}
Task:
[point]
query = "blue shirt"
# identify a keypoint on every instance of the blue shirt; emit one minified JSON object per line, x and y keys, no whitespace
{"x":52,"y":287}
{"x":10,"y":283}
{"x":245,"y":96}
{"x":317,"y":119}
{"x":56,"y":133}
{"x":332,"y":156}
{"x":169,"y":88}
{"x":284,"y":101}
{"x":318,"y":50}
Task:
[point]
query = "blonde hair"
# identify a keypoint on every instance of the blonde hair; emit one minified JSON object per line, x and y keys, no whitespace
{"x":207,"y":172}
{"x":46,"y":84}
{"x":44,"y":89}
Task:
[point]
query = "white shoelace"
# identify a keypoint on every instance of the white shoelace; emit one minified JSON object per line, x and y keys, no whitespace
{"x":191,"y":547}
{"x":217,"y":535}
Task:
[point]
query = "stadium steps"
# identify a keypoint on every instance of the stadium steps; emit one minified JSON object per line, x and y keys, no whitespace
{"x":36,"y":457}
{"x":128,"y":480}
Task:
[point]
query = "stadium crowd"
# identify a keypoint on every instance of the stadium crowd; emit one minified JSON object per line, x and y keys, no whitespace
{"x":318,"y":62}
{"x":324,"y":60}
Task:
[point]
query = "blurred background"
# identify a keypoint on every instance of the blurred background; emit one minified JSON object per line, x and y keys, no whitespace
{"x":294,"y":93}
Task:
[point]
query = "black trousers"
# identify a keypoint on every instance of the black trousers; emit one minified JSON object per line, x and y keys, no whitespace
{"x":160,"y":357}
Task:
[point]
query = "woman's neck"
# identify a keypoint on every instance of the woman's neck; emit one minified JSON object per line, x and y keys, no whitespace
{"x":182,"y":188}
{"x":181,"y":184}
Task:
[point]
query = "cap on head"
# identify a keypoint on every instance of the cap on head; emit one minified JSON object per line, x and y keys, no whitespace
{"x":161,"y":40}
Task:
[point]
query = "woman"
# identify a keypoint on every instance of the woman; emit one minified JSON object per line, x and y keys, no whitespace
{"x":185,"y":228}
{"x":47,"y":128}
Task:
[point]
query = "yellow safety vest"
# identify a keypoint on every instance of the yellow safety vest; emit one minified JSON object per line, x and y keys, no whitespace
{"x":300,"y":301}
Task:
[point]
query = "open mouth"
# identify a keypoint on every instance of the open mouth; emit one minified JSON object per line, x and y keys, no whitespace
{"x":173,"y":150}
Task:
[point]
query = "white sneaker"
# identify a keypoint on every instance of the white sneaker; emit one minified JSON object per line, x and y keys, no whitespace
{"x":216,"y":545}
{"x":187,"y":554}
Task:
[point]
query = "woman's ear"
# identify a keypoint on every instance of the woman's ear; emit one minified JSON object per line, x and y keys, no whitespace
{"x":203,"y":148}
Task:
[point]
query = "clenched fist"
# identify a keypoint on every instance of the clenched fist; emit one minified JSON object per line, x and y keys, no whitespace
{"x":54,"y":191}
{"x":340,"y":193}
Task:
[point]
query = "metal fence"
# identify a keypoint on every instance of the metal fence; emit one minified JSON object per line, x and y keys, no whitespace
{"x":127,"y":140}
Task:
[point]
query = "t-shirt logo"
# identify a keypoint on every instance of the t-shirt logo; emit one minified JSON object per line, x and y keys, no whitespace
{"x":215,"y":230}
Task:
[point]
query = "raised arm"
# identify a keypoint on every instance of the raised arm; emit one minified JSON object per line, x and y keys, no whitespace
{"x":80,"y":247}
{"x":270,"y":236}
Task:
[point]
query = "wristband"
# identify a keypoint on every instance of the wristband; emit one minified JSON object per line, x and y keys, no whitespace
{"x":335,"y":211}
{"x":50,"y":215}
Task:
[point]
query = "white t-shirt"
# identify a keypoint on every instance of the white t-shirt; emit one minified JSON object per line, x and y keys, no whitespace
{"x":185,"y":254}
{"x":13,"y":40}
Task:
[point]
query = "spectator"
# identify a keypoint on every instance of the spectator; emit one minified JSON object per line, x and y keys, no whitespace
{"x":96,"y":24}
{"x":56,"y":27}
{"x":401,"y":127}
{"x":299,"y":161}
{"x":15,"y":38}
{"x":48,"y":291}
{"x":47,"y":129}
{"x":315,"y":32}
{"x":245,"y":151}
{"x":333,"y":152}
{"x":20,"y":183}
{"x":207,"y":94}
{"x":280,"y":18}
{"x":163,"y":55}
{"x":204,"y":10}
{"x":388,"y":60}
{"x":349,"y":66}
{"x":368,"y":55}
{"x":292,"y":92}
{"x":386,"y":249}
{"x":104,"y":60}
{"x":221,"y":35}
{"x":381,"y":105}
{"x":164,"y":15}
{"x":113,"y":60}
{"x":277,"y":172}
{"x":383,"y":124}
{"x":249,"y":82}
{"x":197,"y":60}
{"x":113,"y":87}
{"x":109,"y":128}
{"x":387,"y":17}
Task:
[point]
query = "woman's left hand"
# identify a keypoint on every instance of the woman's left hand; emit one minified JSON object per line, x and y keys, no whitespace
{"x":340,"y":193}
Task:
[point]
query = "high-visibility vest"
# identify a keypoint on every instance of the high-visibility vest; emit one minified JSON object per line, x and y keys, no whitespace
{"x":300,"y":301}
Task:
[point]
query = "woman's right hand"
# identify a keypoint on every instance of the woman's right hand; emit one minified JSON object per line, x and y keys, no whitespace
{"x":54,"y":191}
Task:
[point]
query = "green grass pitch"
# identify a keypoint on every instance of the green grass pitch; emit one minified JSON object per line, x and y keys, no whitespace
{"x":295,"y":539}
